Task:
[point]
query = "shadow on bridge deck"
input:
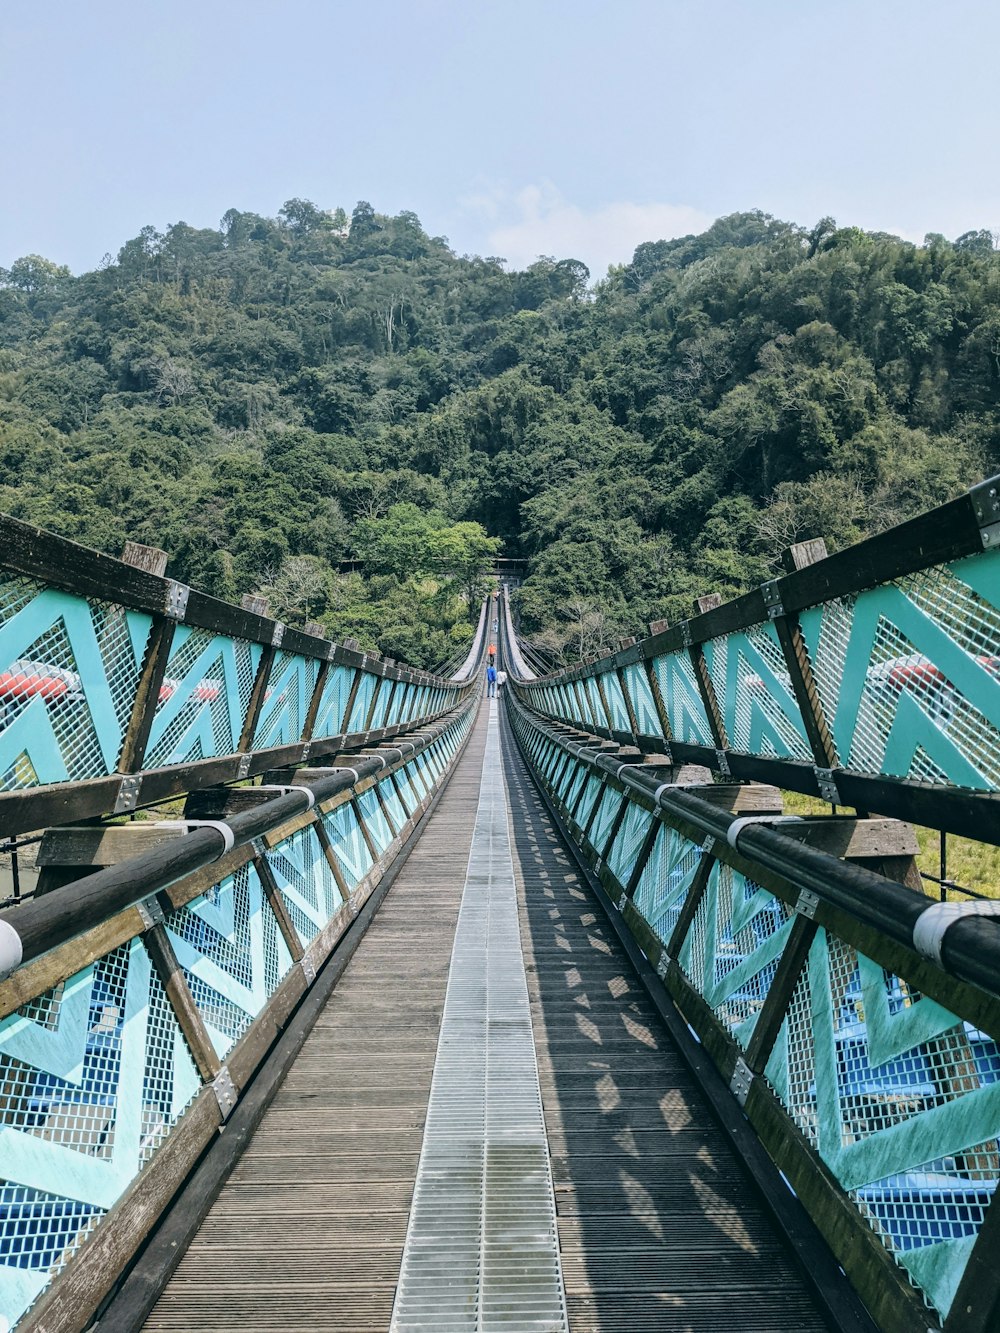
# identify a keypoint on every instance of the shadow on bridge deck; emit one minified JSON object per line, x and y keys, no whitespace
{"x":659,"y":1226}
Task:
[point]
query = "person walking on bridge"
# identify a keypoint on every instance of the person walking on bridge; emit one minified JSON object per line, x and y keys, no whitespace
{"x":501,"y":681}
{"x":491,"y":681}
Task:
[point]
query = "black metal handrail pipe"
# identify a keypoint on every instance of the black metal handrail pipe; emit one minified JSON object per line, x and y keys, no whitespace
{"x":36,"y":927}
{"x":970,"y":945}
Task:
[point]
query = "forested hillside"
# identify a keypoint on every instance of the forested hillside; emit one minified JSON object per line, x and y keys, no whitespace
{"x":273,"y":398}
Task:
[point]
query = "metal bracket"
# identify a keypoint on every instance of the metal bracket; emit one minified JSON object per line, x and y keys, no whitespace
{"x":827,"y":784}
{"x":662,"y":967}
{"x":739,"y":1084}
{"x":622,"y":901}
{"x":986,"y":506}
{"x":243,"y":767}
{"x":308,"y":969}
{"x":305,"y":750}
{"x":175,"y":605}
{"x":722,"y":763}
{"x":597,"y":866}
{"x":806,"y":904}
{"x":935,"y":921}
{"x":742,"y":821}
{"x":259,"y":846}
{"x":151,"y":912}
{"x":128,"y":794}
{"x":771,"y":592}
{"x":277,"y":634}
{"x":709,"y":844}
{"x":225,"y":1092}
{"x":686,"y":635}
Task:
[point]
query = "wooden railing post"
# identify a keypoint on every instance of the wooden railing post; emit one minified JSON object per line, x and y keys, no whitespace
{"x":623,"y":686}
{"x":277,"y":904}
{"x":583,"y":703}
{"x":323,"y":838}
{"x":188,"y":1015}
{"x":658,"y":627}
{"x":703,"y":677}
{"x":642,"y":856}
{"x":258,"y":605}
{"x":152,"y":671}
{"x":345,"y":721}
{"x":796,"y":655}
{"x":608,"y":715}
{"x":370,"y":715}
{"x":696,"y":892}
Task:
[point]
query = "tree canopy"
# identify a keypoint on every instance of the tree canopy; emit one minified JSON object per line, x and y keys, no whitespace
{"x":273,"y":398}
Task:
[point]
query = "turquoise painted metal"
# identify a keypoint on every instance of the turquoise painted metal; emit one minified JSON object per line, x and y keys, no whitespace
{"x":70,"y":668}
{"x":907,"y":675}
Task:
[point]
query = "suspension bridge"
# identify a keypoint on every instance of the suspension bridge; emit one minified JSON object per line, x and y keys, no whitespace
{"x":347,"y":998}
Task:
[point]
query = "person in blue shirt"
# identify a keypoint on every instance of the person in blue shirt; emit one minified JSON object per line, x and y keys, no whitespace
{"x":491,"y":681}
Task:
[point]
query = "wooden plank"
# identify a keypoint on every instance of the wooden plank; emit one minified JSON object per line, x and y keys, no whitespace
{"x":738,"y":798}
{"x":290,"y":827}
{"x":87,"y":845}
{"x":41,"y":974}
{"x":855,"y":839}
{"x":187,"y":1013}
{"x":224,"y":802}
{"x":200,"y":881}
{"x":628,"y":1202}
{"x":53,"y":560}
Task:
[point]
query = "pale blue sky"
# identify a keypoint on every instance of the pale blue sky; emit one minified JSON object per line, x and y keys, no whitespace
{"x":569,"y":127}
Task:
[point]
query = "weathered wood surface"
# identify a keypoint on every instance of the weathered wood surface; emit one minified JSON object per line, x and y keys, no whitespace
{"x":308,"y":1231}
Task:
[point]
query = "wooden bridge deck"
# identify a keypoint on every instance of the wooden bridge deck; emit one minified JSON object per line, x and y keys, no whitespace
{"x":658,"y":1226}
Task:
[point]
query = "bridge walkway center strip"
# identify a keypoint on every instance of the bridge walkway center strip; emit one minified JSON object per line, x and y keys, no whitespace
{"x":481,"y":1252}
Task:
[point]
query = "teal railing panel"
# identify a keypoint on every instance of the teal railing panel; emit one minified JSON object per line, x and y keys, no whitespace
{"x":286,"y":702}
{"x":909,"y":673}
{"x":755,"y":694}
{"x":69,"y":667}
{"x":96,"y":1075}
{"x":204,"y":697}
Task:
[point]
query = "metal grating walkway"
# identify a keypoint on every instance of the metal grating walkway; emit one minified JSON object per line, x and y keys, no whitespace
{"x":481,"y":1251}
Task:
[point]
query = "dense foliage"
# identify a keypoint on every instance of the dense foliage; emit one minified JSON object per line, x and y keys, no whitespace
{"x":274,"y":398}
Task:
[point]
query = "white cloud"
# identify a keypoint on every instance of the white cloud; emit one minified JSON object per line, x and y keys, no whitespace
{"x":539,"y":220}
